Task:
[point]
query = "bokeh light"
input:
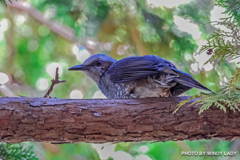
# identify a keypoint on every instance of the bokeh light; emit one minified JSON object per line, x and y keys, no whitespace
{"x":186,"y":26}
{"x":105,"y":150}
{"x":3,"y":78}
{"x":81,"y":54}
{"x":20,"y":75}
{"x":32,"y":45}
{"x":168,"y":3}
{"x":237,"y":60}
{"x":122,"y":49}
{"x":49,"y":46}
{"x":51,"y":69}
{"x":50,"y":12}
{"x":216,"y":13}
{"x":43,"y":30}
{"x":25,"y":30}
{"x":25,"y":4}
{"x":76,"y":94}
{"x":201,"y":58}
{"x":98,"y":94}
{"x":142,"y":157}
{"x":120,"y":155}
{"x":4,"y":25}
{"x":20,"y":19}
{"x":194,"y":68}
{"x":143,"y":149}
{"x":225,"y":79}
{"x":42,"y":84}
{"x":208,"y":67}
{"x":107,"y":46}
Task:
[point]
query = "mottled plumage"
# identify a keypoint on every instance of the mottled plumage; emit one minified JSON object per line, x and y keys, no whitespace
{"x":137,"y":77}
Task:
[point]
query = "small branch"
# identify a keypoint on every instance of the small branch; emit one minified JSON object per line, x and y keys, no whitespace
{"x":54,"y":82}
{"x":64,"y":31}
{"x":6,"y":92}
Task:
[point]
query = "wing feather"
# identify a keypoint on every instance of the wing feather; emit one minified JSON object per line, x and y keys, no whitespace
{"x":134,"y":68}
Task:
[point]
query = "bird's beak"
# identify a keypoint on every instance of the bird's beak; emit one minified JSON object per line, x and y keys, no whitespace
{"x":78,"y":67}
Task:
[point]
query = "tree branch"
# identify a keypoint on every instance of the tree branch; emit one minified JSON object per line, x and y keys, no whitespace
{"x":54,"y":82}
{"x":103,"y":120}
{"x":58,"y":28}
{"x":64,"y":31}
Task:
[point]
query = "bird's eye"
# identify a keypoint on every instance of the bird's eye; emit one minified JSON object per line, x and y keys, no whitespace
{"x":98,"y":63}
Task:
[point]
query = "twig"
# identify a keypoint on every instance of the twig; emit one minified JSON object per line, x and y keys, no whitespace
{"x":54,"y":82}
{"x":6,"y":92}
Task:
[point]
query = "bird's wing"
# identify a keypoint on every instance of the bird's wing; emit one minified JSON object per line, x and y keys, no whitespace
{"x":134,"y":68}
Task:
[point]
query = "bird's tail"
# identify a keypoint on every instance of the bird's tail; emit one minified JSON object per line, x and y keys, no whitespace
{"x":187,"y":80}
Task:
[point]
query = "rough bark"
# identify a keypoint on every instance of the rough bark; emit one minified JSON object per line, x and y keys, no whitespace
{"x":103,"y":120}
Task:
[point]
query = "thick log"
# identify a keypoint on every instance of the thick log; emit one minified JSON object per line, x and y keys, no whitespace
{"x":104,"y":120}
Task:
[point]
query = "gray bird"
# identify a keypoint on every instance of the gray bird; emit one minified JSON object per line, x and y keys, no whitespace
{"x":137,"y":77}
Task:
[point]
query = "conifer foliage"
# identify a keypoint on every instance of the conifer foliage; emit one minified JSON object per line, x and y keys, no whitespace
{"x":16,"y":152}
{"x":4,"y":1}
{"x":223,"y":45}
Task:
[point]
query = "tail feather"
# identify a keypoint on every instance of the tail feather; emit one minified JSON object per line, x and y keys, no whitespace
{"x":186,"y":80}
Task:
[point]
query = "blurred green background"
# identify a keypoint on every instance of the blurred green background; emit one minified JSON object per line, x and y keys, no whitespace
{"x":36,"y":36}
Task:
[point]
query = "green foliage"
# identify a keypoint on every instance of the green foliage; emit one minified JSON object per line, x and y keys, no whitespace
{"x":222,"y":45}
{"x":16,"y":152}
{"x":232,"y":84}
{"x":225,"y":44}
{"x":232,"y":9}
{"x":74,"y":151}
{"x":222,"y":100}
{"x":198,"y":11}
{"x":163,"y":150}
{"x":4,"y":2}
{"x":227,"y":97}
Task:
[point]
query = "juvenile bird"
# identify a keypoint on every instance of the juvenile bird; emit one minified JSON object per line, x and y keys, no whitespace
{"x":137,"y":77}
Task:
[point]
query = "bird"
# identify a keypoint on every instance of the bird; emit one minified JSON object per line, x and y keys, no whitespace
{"x":137,"y":76}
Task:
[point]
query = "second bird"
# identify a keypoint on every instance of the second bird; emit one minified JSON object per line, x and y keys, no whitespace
{"x":137,"y":77}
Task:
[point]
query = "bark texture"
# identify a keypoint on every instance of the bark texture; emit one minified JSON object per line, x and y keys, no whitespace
{"x":103,"y":120}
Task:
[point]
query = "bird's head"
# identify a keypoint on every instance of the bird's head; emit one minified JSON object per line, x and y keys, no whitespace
{"x":95,"y":66}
